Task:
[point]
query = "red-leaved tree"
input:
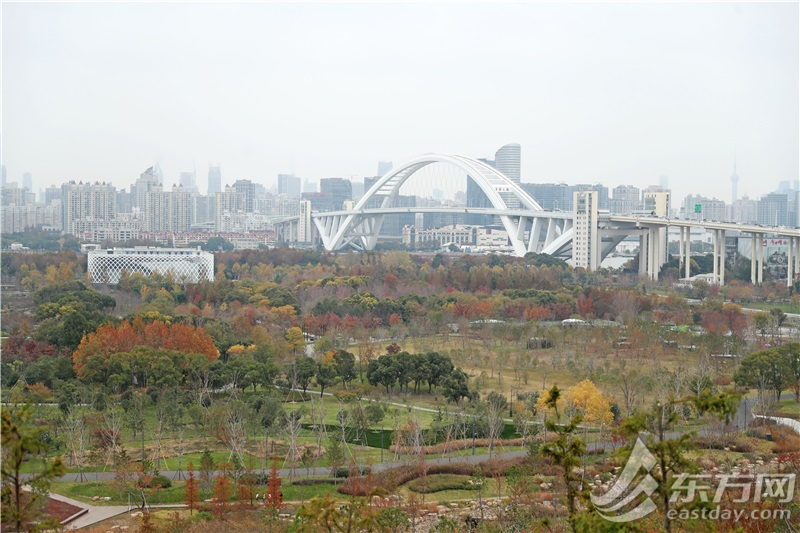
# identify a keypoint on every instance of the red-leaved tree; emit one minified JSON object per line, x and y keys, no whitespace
{"x":192,"y":491}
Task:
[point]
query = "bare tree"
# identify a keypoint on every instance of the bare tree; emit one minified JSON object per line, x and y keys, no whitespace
{"x":291,"y":428}
{"x":630,"y":385}
{"x":235,"y":433}
{"x":495,"y":409}
{"x":162,"y":408}
{"x":111,"y":431}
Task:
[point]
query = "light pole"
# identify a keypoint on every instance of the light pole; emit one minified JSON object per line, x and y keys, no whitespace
{"x":381,"y":443}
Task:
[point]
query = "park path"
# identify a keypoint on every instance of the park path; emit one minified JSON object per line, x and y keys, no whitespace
{"x":94,"y":513}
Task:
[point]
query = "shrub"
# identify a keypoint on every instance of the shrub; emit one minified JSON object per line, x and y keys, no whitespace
{"x":440,"y":482}
{"x":390,"y":479}
{"x":158,"y":480}
{"x":720,"y":442}
{"x":202,"y":516}
{"x":344,"y":472}
{"x":787,"y":443}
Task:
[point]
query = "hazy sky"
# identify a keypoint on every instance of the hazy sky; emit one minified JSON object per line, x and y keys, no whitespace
{"x":619,"y":93}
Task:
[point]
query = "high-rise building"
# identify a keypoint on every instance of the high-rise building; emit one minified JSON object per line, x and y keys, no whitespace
{"x":157,"y":209}
{"x":13,"y":195}
{"x":2,"y":175}
{"x":508,"y":161}
{"x":214,"y":179}
{"x":744,"y":211}
{"x":657,"y":203}
{"x":289,"y":184}
{"x":305,"y":226}
{"x":375,"y":200}
{"x":626,"y":200}
{"x":19,"y":218}
{"x":585,"y":237}
{"x":697,"y":207}
{"x":663,"y":182}
{"x":309,"y":186}
{"x":477,"y":198}
{"x":158,"y":174}
{"x":187,"y":180}
{"x":181,"y":209}
{"x":52,"y":193}
{"x":82,"y":201}
{"x":205,"y":208}
{"x":227,"y":202}
{"x":551,"y":196}
{"x":773,"y":210}
{"x":248,"y":189}
{"x":147,"y":180}
{"x":125,"y":200}
{"x":384,"y":167}
{"x":335,"y":191}
{"x":27,"y":181}
{"x":358,"y":189}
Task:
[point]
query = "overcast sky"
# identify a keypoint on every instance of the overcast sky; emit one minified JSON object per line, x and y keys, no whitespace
{"x":620,"y":93}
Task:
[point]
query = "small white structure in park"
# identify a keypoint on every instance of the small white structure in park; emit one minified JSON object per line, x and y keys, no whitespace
{"x":185,"y":264}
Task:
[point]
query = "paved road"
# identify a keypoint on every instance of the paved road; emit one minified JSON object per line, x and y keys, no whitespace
{"x":90,"y":476}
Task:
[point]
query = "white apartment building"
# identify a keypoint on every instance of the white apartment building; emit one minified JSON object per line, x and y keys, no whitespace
{"x":585,"y":233}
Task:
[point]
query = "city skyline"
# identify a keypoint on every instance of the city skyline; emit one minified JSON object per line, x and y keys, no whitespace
{"x":632,"y":91}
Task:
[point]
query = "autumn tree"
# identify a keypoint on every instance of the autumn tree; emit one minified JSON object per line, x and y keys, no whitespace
{"x":273,"y":498}
{"x":124,"y":337}
{"x":223,"y":489}
{"x":192,"y":491}
{"x":296,"y":340}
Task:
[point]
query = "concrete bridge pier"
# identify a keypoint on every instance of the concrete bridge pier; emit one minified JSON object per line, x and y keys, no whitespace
{"x":757,"y":259}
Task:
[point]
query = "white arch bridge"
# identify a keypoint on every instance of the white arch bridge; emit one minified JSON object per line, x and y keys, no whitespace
{"x":529,"y":227}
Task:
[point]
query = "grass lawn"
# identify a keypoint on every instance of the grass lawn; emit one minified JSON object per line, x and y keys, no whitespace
{"x":85,"y":491}
{"x":788,"y":408}
{"x":489,"y":491}
{"x":786,"y":307}
{"x":294,"y":493}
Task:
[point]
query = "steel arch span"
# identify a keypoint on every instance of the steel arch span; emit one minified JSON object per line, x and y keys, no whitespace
{"x":361,"y":226}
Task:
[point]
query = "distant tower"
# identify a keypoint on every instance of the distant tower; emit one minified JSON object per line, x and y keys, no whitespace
{"x":734,"y":182}
{"x":384,"y":167}
{"x":214,"y":179}
{"x":27,"y":181}
{"x":507,"y":161}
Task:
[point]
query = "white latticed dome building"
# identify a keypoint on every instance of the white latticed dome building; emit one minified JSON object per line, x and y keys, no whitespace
{"x":187,"y":265}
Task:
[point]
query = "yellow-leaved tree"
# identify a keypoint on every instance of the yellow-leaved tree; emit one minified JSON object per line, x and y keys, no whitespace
{"x":595,"y":408}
